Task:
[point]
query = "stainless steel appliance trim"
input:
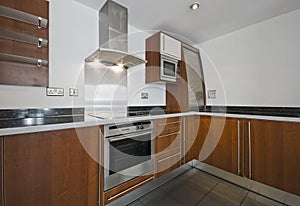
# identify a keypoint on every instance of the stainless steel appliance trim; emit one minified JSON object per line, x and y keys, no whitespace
{"x":169,"y":157}
{"x":250,"y":153}
{"x":167,"y":135}
{"x":170,"y":59}
{"x":24,"y":17}
{"x":25,"y":38}
{"x":164,"y":124}
{"x":125,"y":136}
{"x":239,"y":152}
{"x":130,"y":188}
{"x":22,"y":59}
{"x":128,"y":174}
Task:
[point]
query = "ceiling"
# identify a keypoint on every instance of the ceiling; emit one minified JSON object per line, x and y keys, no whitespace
{"x":214,"y":17}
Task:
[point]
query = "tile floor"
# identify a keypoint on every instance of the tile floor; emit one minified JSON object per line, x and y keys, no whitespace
{"x":197,"y":188}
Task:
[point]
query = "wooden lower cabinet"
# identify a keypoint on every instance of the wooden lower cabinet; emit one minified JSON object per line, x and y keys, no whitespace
{"x":221,"y":139}
{"x":274,"y":157}
{"x":167,"y":145}
{"x":52,"y":168}
{"x":1,"y":167}
{"x":192,"y":144}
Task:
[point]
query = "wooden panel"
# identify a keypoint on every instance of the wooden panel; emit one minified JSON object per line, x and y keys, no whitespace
{"x":177,"y":94}
{"x":52,"y":168}
{"x":127,"y":187}
{"x":21,"y":27}
{"x":167,"y":162}
{"x":275,"y":154}
{"x":12,"y":73}
{"x":221,"y":142}
{"x":1,"y":167}
{"x":23,"y":49}
{"x":191,"y":138}
{"x":35,"y":7}
{"x":101,"y":167}
{"x":21,"y":74}
{"x":165,"y":143}
{"x":166,"y":121}
{"x":153,"y":58}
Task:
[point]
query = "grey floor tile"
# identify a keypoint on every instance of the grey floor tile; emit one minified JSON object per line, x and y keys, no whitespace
{"x":136,"y":203}
{"x":194,"y":189}
{"x":224,"y":194}
{"x":253,"y":199}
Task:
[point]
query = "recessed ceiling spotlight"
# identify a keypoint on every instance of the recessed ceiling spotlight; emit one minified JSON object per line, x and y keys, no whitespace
{"x":195,"y":6}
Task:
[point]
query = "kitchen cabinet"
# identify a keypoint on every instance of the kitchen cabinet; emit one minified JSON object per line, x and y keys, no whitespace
{"x":167,"y":145}
{"x":161,"y":49}
{"x":24,"y":51}
{"x":170,"y":46}
{"x":1,"y":167}
{"x":191,"y":142}
{"x":52,"y":168}
{"x":261,"y":150}
{"x":222,"y":147}
{"x":272,"y":153}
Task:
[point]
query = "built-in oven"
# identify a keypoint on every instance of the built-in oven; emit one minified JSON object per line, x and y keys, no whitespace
{"x":128,"y":152}
{"x":168,"y":68}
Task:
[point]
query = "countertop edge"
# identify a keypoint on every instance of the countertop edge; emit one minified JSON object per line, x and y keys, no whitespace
{"x":92,"y":121}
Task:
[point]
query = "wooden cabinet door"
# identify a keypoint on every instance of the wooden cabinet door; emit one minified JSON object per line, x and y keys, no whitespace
{"x":274,"y":157}
{"x":52,"y":168}
{"x":1,"y":167}
{"x":220,"y":137}
{"x":192,"y":144}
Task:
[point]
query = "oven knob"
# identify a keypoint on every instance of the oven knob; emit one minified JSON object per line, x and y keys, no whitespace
{"x":140,"y":127}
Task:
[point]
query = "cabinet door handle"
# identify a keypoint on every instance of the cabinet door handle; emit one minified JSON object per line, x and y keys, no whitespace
{"x":250,"y":153}
{"x":167,"y":135}
{"x":238,"y":147}
{"x":168,"y":123}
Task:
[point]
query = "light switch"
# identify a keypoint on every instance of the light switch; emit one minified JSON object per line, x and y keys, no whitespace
{"x":144,"y":95}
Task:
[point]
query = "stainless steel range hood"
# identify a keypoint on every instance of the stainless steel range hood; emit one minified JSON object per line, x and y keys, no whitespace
{"x":113,"y":38}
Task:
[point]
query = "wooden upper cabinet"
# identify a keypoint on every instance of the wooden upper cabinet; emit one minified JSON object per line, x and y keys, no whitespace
{"x":170,"y":46}
{"x":192,"y":144}
{"x":274,"y":157}
{"x":52,"y":168}
{"x":24,"y":50}
{"x":221,"y":138}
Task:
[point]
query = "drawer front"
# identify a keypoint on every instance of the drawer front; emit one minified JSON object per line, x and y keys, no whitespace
{"x":167,"y":129}
{"x":167,"y":164}
{"x":127,"y":187}
{"x":166,"y":121}
{"x":167,"y":142}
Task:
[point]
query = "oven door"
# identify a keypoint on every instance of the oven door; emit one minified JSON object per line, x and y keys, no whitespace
{"x":168,"y":68}
{"x":126,"y":157}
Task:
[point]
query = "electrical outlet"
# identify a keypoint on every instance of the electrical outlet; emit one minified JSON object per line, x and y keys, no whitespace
{"x":144,"y":95}
{"x":54,"y":91}
{"x":73,"y":92}
{"x":211,"y":94}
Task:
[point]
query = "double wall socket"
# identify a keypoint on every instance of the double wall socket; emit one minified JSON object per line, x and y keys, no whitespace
{"x":54,"y":91}
{"x":211,"y":94}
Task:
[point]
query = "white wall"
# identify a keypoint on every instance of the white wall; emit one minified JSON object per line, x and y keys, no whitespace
{"x":258,"y":65}
{"x":136,"y":75}
{"x":73,"y":35}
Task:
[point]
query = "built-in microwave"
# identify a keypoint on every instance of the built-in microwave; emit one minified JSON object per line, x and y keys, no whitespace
{"x":168,"y":68}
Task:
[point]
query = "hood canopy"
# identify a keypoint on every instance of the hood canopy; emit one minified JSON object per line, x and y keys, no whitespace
{"x":113,"y":38}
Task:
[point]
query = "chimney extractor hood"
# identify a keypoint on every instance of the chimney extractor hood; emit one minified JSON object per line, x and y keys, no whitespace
{"x":113,"y":38}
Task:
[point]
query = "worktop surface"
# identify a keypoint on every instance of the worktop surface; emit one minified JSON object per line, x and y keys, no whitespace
{"x":92,"y":121}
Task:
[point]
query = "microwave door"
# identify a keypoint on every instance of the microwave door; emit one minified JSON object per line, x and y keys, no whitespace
{"x":168,"y":69}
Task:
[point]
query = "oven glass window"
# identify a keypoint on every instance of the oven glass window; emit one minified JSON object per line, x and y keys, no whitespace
{"x":127,"y":153}
{"x":169,"y":69}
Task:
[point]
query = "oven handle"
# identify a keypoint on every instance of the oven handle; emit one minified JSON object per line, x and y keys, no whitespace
{"x":121,"y":137}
